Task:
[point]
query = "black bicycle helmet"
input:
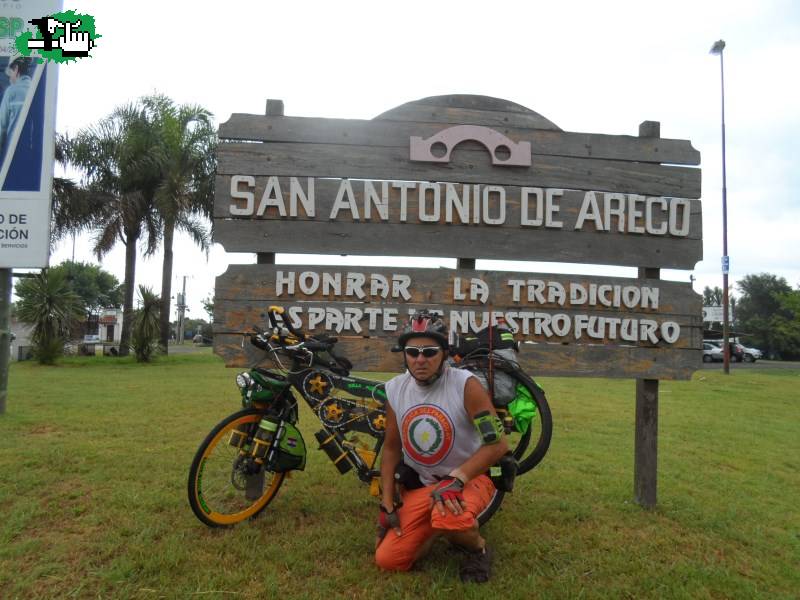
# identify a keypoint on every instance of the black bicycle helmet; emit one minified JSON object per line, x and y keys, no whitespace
{"x":423,"y":323}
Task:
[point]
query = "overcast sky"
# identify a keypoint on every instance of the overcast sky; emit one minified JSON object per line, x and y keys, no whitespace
{"x":599,"y":67}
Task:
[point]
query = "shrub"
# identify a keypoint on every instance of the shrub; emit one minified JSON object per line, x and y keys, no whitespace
{"x":145,"y":326}
{"x":48,"y":304}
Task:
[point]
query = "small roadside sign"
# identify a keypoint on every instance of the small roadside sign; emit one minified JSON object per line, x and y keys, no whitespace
{"x":712,"y":314}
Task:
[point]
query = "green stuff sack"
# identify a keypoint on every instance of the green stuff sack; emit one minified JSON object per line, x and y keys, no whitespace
{"x":522,"y":408}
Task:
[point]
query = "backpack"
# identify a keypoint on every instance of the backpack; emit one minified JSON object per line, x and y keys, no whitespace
{"x":478,"y":350}
{"x":502,"y":338}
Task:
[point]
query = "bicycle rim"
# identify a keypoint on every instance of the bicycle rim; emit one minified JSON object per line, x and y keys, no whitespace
{"x":220,"y":494}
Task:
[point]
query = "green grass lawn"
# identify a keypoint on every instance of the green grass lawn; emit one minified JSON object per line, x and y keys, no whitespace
{"x":94,"y":455}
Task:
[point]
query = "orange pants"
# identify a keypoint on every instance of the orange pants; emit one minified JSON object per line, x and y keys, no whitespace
{"x":419,"y":522}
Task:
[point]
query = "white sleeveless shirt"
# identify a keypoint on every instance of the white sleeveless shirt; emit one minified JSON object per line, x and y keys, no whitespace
{"x":436,"y":431}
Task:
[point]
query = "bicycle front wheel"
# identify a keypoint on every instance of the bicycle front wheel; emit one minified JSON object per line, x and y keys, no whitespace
{"x":225,"y":485}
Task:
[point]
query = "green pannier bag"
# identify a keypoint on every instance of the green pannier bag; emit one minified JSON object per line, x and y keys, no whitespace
{"x":291,"y":452}
{"x":522,"y":408}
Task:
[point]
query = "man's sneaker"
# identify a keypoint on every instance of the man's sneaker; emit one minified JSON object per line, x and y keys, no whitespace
{"x":477,"y":566}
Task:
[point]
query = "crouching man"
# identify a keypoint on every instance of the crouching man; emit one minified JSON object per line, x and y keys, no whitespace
{"x":442,"y":435}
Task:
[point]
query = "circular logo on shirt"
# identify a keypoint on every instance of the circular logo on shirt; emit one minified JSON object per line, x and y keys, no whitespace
{"x":427,"y":434}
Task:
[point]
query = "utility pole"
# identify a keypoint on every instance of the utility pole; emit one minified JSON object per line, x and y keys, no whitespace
{"x":717,"y":48}
{"x":5,"y":334}
{"x":181,"y":311}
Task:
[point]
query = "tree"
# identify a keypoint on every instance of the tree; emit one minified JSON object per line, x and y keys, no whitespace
{"x":144,"y":338}
{"x":185,"y":194}
{"x":765,"y":311}
{"x":74,"y":209}
{"x":198,"y":326}
{"x":785,"y":325}
{"x":208,"y":306}
{"x":48,"y":304}
{"x":712,"y":296}
{"x":97,"y":288}
{"x":117,"y":159}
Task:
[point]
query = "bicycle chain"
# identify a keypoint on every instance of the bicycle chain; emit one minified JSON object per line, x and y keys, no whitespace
{"x":338,"y":413}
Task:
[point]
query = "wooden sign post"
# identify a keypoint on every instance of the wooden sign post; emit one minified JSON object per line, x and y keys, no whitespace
{"x":645,"y":463}
{"x":468,"y":177}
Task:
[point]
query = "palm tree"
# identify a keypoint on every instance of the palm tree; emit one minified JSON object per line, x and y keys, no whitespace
{"x":117,"y":158}
{"x":185,"y":195}
{"x":48,"y":304}
{"x":74,"y":209}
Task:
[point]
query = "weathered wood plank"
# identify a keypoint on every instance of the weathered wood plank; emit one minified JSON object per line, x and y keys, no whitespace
{"x":309,"y":237}
{"x":430,"y":113}
{"x":403,"y":205}
{"x":385,"y":320}
{"x":557,"y":360}
{"x":287,"y":283}
{"x":466,"y":166}
{"x":397,"y":134}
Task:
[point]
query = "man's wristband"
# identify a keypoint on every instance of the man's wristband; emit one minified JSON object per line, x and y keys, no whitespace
{"x":460,"y":475}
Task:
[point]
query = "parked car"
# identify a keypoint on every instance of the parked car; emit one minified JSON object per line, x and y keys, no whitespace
{"x":752,"y":354}
{"x":737,"y":350}
{"x":711,"y":353}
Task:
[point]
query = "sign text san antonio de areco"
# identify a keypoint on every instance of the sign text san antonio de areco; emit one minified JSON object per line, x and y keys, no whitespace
{"x":464,"y":204}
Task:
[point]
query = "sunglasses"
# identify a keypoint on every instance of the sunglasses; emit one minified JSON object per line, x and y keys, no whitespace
{"x":426,"y":351}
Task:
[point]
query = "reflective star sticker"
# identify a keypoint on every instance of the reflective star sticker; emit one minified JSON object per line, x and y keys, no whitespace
{"x":318,"y":385}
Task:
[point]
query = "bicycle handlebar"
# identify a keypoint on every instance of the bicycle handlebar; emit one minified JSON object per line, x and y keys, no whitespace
{"x":272,"y":311}
{"x":292,"y":339}
{"x":316,"y":344}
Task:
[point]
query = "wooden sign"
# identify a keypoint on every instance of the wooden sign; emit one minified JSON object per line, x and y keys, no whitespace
{"x":642,"y":325}
{"x":466,"y":177}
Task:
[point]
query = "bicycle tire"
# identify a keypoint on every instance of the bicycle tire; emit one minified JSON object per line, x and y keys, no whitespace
{"x":540,"y":429}
{"x":213,"y":496}
{"x":491,"y":508}
{"x":526,"y":462}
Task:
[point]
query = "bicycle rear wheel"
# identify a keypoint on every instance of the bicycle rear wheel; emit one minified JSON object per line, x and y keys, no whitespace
{"x":225,"y":486}
{"x":530,"y":448}
{"x":491,"y":508}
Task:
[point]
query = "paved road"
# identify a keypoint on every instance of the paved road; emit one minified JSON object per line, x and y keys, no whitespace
{"x":758,"y":365}
{"x":188,"y":348}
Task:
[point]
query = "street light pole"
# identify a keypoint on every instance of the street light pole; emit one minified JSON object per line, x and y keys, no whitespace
{"x":717,"y":48}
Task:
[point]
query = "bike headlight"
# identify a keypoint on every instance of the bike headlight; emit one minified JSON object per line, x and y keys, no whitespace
{"x":243,"y":380}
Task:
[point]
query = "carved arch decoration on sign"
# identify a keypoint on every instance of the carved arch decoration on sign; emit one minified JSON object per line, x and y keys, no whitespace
{"x":422,"y":150}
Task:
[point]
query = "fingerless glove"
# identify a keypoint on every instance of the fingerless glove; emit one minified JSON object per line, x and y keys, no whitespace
{"x":450,"y":488}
